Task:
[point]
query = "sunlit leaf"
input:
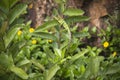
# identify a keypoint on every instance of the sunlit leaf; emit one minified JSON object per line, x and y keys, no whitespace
{"x":81,"y":34}
{"x":16,"y":11}
{"x":51,"y":72}
{"x":19,"y":72}
{"x":73,"y":12}
{"x":23,"y":62}
{"x":74,"y":19}
{"x":45,"y":35}
{"x":36,"y":63}
{"x":76,"y":56}
{"x":47,"y":25}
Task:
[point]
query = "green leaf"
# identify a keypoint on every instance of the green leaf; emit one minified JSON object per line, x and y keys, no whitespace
{"x":94,"y":29}
{"x":3,"y":28}
{"x":3,"y":16}
{"x":93,"y":66}
{"x":16,"y":11}
{"x":4,"y":6}
{"x":77,"y":56}
{"x":36,"y":63}
{"x":44,"y":35}
{"x":113,"y":69}
{"x":69,"y":20}
{"x":27,"y":51}
{"x":2,"y":71}
{"x":62,"y":7}
{"x":71,"y":75}
{"x":2,"y":45}
{"x":35,"y":75}
{"x":51,"y":72}
{"x":73,"y":47}
{"x":81,"y":34}
{"x":2,"y":32}
{"x":58,"y":52}
{"x":12,"y":3}
{"x":82,"y":69}
{"x":16,"y":47}
{"x":74,"y":19}
{"x":18,"y":21}
{"x":11,"y":34}
{"x":65,"y":25}
{"x":48,"y":52}
{"x":23,"y":62}
{"x":59,"y":1}
{"x":6,"y":61}
{"x":19,"y":72}
{"x":73,"y":12}
{"x":47,"y":25}
{"x":85,"y":29}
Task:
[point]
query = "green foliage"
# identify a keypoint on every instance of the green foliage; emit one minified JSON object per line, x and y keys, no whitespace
{"x":11,"y":34}
{"x":19,"y":72}
{"x":73,"y":12}
{"x":51,"y":72}
{"x":16,"y":11}
{"x":7,"y":33}
{"x":45,"y":35}
{"x":55,"y":50}
{"x":10,"y":13}
{"x":111,"y":34}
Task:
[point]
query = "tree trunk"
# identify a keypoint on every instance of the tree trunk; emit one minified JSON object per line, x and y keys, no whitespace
{"x":38,"y":10}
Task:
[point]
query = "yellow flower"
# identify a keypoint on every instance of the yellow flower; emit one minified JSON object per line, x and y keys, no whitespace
{"x":34,"y":41}
{"x":19,"y":32}
{"x":31,"y":30}
{"x":50,"y":41}
{"x":114,"y":54}
{"x":105,"y":44}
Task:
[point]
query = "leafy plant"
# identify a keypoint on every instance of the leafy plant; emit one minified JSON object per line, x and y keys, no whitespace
{"x":10,"y":11}
{"x":55,"y":50}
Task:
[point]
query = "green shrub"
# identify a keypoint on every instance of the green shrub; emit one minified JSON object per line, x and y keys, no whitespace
{"x":53,"y":51}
